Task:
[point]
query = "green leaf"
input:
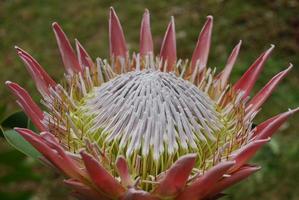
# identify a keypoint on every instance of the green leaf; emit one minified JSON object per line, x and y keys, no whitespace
{"x":3,"y":109}
{"x":17,"y":141}
{"x":18,"y":119}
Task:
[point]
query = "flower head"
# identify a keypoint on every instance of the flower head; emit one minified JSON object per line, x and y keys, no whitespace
{"x":146,"y":126}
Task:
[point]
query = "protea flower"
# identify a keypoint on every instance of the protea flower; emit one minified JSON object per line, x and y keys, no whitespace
{"x":145,"y":126}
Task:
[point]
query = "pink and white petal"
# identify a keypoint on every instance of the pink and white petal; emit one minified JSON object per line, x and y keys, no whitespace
{"x":27,"y":104}
{"x":270,"y":126}
{"x":202,"y":49}
{"x":68,"y":55}
{"x":83,"y":57}
{"x":123,"y":172}
{"x":168,"y":48}
{"x":146,"y":41}
{"x":117,"y":40}
{"x":37,"y":142}
{"x":38,"y":74}
{"x":41,"y":85}
{"x":175,"y":177}
{"x":101,"y":178}
{"x":241,"y":174}
{"x":247,"y":81}
{"x":54,"y":153}
{"x":245,"y":153}
{"x":201,"y":187}
{"x":36,"y":121}
{"x":225,"y":74}
{"x":23,"y":95}
{"x":257,"y":101}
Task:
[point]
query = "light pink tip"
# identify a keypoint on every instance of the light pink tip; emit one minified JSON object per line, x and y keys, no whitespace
{"x":27,"y":104}
{"x":117,"y":40}
{"x":202,"y":49}
{"x":47,"y":145}
{"x":68,"y":55}
{"x":236,"y":177}
{"x":83,"y":57}
{"x":146,"y":41}
{"x":247,"y":81}
{"x":168,"y":49}
{"x":270,"y":126}
{"x":247,"y":152}
{"x":229,"y":65}
{"x":41,"y":78}
{"x":258,"y":100}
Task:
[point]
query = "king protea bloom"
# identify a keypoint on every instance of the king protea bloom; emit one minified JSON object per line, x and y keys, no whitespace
{"x":148,"y":127}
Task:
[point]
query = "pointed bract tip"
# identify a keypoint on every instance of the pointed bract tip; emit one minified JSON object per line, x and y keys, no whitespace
{"x":112,"y":12}
{"x":293,"y":111}
{"x":68,"y":56}
{"x":240,"y":43}
{"x":201,"y":52}
{"x":168,"y":48}
{"x":20,"y":130}
{"x":18,"y":49}
{"x":260,"y":141}
{"x":21,"y":52}
{"x":172,"y":21}
{"x":146,"y":41}
{"x":268,"y":51}
{"x":55,"y":25}
{"x":208,"y":22}
{"x":117,"y":43}
{"x":8,"y":82}
{"x":255,"y":168}
{"x":272,"y":46}
{"x":290,"y":67}
{"x":210,"y":17}
{"x":268,"y":139}
{"x":249,"y":78}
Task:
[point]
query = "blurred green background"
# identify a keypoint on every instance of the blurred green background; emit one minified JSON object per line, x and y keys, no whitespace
{"x":259,"y":23}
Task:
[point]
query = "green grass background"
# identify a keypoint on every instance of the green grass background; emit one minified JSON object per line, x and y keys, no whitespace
{"x":259,"y":23}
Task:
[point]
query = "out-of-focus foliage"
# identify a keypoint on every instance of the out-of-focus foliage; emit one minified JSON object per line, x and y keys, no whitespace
{"x":258,"y":23}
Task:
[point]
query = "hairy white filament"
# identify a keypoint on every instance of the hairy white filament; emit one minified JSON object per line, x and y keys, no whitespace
{"x":152,"y":110}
